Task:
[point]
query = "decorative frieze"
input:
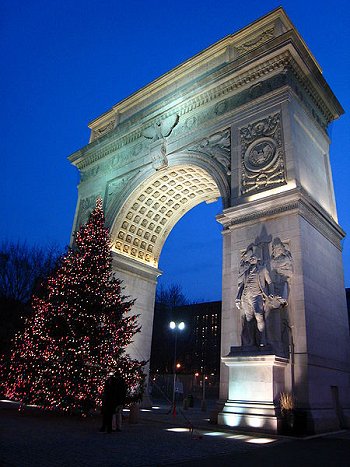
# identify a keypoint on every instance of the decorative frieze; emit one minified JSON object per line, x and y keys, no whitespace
{"x":117,"y":161}
{"x":263,"y":213}
{"x":260,"y":84}
{"x":308,"y":94}
{"x":262,"y":155}
{"x":91,"y":154}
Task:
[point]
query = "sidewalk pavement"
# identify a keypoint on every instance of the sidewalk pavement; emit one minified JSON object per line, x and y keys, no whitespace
{"x":34,"y":438}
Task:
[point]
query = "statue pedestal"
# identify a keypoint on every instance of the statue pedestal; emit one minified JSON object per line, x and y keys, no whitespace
{"x":256,"y":380}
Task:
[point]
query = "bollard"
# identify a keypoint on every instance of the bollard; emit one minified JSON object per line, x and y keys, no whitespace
{"x":134,"y":413}
{"x":185,"y":403}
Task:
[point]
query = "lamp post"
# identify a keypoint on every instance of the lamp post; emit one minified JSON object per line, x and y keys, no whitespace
{"x":204,"y":403}
{"x":175,"y":327}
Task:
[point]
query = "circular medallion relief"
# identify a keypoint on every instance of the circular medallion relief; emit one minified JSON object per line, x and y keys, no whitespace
{"x":261,"y":154}
{"x":191,"y":122}
{"x":220,"y":107}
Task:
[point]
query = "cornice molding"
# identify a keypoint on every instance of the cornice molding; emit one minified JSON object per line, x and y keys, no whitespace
{"x":91,"y":153}
{"x":295,"y":201}
{"x":240,"y":44}
{"x":276,"y":18}
{"x":112,"y":142}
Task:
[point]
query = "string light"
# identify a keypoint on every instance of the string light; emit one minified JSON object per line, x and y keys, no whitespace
{"x":78,"y":332}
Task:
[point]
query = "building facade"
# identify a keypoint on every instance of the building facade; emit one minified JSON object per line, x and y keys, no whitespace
{"x":198,"y":344}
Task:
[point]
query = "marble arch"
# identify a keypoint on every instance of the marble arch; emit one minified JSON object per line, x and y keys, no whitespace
{"x":151,"y":211}
{"x":245,"y":120}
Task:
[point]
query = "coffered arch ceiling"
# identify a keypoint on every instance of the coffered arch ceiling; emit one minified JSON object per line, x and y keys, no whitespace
{"x":151,"y":211}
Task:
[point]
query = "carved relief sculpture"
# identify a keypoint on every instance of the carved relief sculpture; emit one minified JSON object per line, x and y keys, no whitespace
{"x":281,"y":267}
{"x":157,"y":134}
{"x":263,"y":291}
{"x":256,"y":41}
{"x":253,"y":288}
{"x":262,"y":155}
{"x":86,"y":206}
{"x":161,"y":129}
{"x":116,"y":186}
{"x":217,"y":146}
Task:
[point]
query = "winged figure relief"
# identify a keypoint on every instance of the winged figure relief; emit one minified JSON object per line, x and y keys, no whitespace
{"x":162,"y":129}
{"x":217,"y":146}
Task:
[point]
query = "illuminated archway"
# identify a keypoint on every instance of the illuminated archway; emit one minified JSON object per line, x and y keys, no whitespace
{"x":152,"y":210}
{"x":143,"y":215}
{"x":244,"y":120}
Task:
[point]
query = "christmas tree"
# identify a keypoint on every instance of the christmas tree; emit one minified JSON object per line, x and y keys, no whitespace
{"x":78,"y":332}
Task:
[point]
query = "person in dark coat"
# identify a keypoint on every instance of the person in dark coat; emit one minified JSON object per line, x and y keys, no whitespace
{"x":121,"y":388}
{"x":113,"y":398}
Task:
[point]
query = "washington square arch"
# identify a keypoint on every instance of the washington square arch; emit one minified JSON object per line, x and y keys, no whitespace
{"x":246,"y":121}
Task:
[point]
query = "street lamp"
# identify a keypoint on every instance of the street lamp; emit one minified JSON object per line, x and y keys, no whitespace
{"x":204,"y":403}
{"x":175,"y":327}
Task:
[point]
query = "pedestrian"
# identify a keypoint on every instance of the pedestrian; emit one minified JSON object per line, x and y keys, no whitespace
{"x":113,"y":398}
{"x":121,"y":392}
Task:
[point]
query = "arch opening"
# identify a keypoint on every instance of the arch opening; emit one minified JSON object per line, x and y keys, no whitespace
{"x":154,"y":207}
{"x":192,"y":255}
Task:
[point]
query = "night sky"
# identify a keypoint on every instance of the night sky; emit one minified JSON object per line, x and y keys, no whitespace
{"x":66,"y":62}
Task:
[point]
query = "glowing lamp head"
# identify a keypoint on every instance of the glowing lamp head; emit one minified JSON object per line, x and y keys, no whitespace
{"x":179,"y":326}
{"x":178,"y":365}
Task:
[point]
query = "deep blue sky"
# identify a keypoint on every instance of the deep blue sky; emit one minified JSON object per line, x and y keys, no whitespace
{"x":66,"y":62}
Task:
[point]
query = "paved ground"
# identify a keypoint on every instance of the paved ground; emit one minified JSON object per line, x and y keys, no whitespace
{"x":158,"y":439}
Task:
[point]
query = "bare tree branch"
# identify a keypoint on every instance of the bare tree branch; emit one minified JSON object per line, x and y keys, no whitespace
{"x":171,"y":296}
{"x":22,"y":267}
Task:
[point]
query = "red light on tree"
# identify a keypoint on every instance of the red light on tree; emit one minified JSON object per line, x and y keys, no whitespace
{"x":80,"y":327}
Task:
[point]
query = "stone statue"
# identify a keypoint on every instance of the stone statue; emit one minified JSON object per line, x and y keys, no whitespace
{"x":261,"y":291}
{"x":281,"y":267}
{"x":277,"y":319}
{"x":254,"y":288}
